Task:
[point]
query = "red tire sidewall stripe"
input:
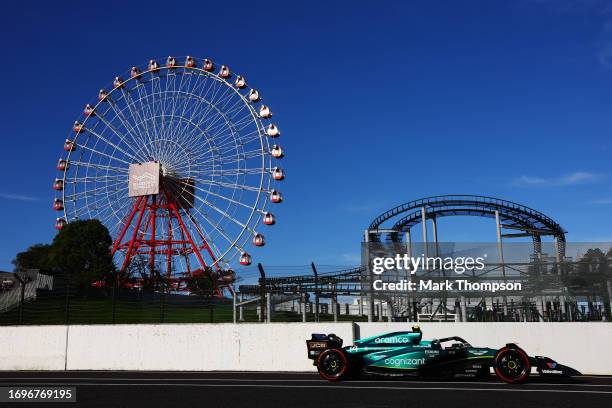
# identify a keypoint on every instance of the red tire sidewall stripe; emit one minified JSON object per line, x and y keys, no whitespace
{"x":525,"y":359}
{"x":344,"y":360}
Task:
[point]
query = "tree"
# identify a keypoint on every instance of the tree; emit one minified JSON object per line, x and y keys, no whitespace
{"x":593,"y":261}
{"x":82,"y":251}
{"x":35,"y":257}
{"x":203,"y":283}
{"x":140,"y":269}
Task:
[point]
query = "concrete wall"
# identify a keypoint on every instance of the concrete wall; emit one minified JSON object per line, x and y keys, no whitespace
{"x":32,"y":347}
{"x":270,"y":347}
{"x":195,"y":347}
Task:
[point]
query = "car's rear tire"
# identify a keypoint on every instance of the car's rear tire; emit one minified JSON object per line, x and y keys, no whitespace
{"x":512,"y":365}
{"x":333,"y":364}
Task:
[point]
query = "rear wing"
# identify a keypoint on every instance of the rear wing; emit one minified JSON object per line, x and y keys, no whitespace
{"x":321,"y":342}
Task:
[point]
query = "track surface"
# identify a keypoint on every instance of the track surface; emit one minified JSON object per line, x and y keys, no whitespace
{"x":232,"y":389}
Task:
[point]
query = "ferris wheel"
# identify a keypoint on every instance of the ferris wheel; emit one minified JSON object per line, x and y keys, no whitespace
{"x":179,"y":161}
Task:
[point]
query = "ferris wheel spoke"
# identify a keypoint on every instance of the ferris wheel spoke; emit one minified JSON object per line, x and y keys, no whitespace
{"x":215,"y":171}
{"x":109,"y":217}
{"x":109,"y":196}
{"x":95,"y":179}
{"x":197,"y":127}
{"x":162,"y":96}
{"x":98,"y":193}
{"x":118,"y":134}
{"x":147,"y":108}
{"x":136,"y":117}
{"x":212,"y":85}
{"x":217,"y":122}
{"x":81,"y":194}
{"x":234,"y":186}
{"x":173,"y":155}
{"x":187,"y":94}
{"x":235,"y":126}
{"x":211,"y":105}
{"x":165,"y":149}
{"x":221,"y":197}
{"x":95,"y":205}
{"x":173,"y":108}
{"x":139,"y":140}
{"x":156,"y":101}
{"x":92,"y":150}
{"x":233,"y":109}
{"x":186,"y":135}
{"x":207,"y":241}
{"x":224,"y":213}
{"x":160,"y":132}
{"x":136,"y":110}
{"x":108,"y":142}
{"x":218,"y":196}
{"x":227,"y":138}
{"x":216,"y":227}
{"x":142,"y":121}
{"x":229,"y":174}
{"x":212,"y":244}
{"x":228,"y":147}
{"x":217,"y":87}
{"x":98,"y":166}
{"x":170,"y":78}
{"x":226,"y":100}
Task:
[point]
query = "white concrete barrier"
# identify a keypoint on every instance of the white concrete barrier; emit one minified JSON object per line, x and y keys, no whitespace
{"x":33,"y":348}
{"x":270,"y":347}
{"x":195,"y":347}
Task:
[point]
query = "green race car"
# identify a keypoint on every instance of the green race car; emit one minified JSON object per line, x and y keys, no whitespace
{"x":407,"y":354}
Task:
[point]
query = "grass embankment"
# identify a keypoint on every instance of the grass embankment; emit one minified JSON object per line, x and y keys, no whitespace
{"x":52,"y":310}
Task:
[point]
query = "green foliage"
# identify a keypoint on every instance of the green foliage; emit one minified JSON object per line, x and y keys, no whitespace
{"x":82,"y":251}
{"x":35,"y":257}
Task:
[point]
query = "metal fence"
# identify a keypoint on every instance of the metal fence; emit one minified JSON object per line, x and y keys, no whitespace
{"x":313,"y":293}
{"x":65,"y":304}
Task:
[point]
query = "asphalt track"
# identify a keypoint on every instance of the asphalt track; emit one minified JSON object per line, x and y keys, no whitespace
{"x":232,"y":389}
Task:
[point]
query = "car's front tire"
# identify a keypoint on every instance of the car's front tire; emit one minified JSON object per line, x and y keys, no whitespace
{"x":333,"y":364}
{"x":512,"y":365}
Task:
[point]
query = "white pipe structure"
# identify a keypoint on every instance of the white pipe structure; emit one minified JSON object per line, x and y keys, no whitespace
{"x":500,"y":250}
{"x":424,"y":224}
{"x":370,"y":280}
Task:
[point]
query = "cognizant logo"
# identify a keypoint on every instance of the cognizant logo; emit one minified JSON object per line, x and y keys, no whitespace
{"x":404,"y":361}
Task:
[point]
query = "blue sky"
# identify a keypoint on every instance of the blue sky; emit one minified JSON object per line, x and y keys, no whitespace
{"x":378,"y":103}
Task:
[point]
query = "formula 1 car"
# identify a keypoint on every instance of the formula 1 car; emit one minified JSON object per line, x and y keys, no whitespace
{"x":406,"y":354}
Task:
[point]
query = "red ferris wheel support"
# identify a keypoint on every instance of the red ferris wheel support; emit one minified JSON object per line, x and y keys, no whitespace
{"x":141,"y":234}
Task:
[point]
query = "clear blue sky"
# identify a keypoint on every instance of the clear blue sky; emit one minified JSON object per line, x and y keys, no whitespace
{"x":378,"y":103}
